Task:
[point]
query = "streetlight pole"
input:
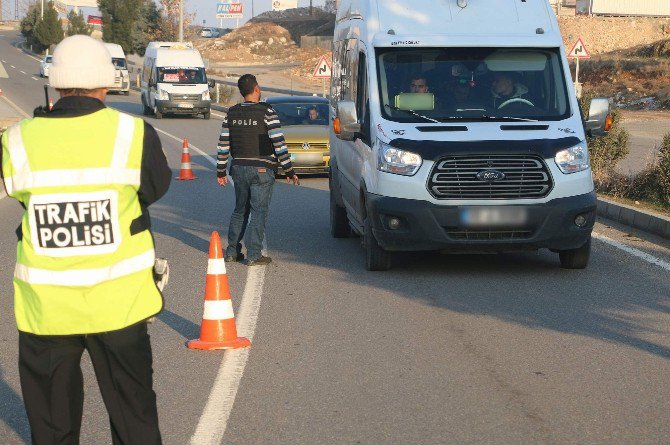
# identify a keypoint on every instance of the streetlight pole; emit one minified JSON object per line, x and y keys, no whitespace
{"x":181,"y":20}
{"x":42,"y":10}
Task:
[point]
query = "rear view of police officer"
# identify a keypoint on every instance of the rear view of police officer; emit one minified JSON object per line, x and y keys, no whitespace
{"x":85,"y":175}
{"x":251,"y":134}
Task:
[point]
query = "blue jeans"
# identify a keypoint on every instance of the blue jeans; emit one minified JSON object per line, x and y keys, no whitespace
{"x":253,"y":190}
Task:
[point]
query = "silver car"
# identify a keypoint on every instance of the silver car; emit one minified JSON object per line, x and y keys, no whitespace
{"x":209,"y":32}
{"x":45,"y":64}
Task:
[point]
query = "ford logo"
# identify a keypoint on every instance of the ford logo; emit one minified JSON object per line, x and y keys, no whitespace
{"x":490,"y":175}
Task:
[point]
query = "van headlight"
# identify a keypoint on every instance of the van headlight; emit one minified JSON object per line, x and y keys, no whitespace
{"x":205,"y":95}
{"x":573,"y":159}
{"x":163,"y":95}
{"x":395,"y":160}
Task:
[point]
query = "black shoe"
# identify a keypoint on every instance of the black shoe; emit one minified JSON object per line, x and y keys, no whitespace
{"x":260,"y":261}
{"x":237,"y":258}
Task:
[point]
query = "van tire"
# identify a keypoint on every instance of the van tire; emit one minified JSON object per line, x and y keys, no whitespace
{"x":575,"y":258}
{"x":339,"y":223}
{"x":207,"y":115}
{"x":376,"y":258}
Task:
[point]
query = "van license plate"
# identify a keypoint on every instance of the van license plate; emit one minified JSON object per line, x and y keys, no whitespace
{"x":493,"y":217}
{"x":185,"y":105}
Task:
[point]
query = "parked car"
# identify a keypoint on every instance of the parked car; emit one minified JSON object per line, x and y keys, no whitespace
{"x":304,"y":120}
{"x":45,"y":64}
{"x":209,"y":32}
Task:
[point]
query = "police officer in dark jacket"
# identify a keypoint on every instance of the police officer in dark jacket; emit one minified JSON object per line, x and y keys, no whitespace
{"x":251,"y":134}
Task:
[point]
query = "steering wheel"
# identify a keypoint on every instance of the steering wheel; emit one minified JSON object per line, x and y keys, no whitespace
{"x":516,"y":99}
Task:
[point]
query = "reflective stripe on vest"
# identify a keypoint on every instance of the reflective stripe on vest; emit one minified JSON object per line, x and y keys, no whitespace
{"x":85,"y":277}
{"x":117,"y":173}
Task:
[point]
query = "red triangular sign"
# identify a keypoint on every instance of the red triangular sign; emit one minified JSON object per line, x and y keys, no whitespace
{"x":322,"y":70}
{"x":579,"y":51}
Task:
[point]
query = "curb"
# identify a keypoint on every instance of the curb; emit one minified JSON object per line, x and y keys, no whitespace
{"x":648,"y":221}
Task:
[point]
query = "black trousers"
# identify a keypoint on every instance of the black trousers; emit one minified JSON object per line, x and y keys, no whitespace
{"x":53,"y":392}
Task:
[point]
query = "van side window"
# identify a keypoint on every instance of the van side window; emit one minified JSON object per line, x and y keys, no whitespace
{"x":362,"y":104}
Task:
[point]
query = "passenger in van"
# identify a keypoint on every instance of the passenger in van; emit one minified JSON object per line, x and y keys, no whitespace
{"x":506,"y":89}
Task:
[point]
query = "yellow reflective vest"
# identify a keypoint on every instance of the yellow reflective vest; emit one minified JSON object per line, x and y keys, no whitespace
{"x":79,"y":270}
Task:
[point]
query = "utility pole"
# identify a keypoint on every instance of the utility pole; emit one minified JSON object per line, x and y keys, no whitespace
{"x":310,"y":7}
{"x":181,"y":20}
{"x":42,"y":10}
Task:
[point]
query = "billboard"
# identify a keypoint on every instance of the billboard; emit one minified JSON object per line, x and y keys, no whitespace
{"x":229,"y":10}
{"x":280,"y":5}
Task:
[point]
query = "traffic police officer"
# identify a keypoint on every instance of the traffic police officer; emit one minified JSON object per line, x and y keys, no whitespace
{"x":84,"y":273}
{"x":251,"y":134}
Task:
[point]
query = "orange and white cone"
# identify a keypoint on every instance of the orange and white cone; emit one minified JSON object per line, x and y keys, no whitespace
{"x":218,"y":330}
{"x":186,"y":173}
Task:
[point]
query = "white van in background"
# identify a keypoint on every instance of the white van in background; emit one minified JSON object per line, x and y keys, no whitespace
{"x":456,"y":128}
{"x":122,"y":79}
{"x":173,"y":80}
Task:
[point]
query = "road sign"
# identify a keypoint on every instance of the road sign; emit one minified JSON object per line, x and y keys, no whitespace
{"x":280,"y":5}
{"x":322,"y":70}
{"x":579,"y":51}
{"x":229,"y":10}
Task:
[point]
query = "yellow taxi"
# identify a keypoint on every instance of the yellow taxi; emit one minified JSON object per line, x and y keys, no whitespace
{"x":304,"y":121}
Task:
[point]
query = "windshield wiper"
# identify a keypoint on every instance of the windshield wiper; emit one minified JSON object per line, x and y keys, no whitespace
{"x":414,"y":113}
{"x":506,"y":118}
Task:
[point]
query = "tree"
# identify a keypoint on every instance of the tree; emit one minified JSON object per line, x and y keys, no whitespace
{"x":77,"y":25}
{"x":49,"y":30}
{"x":170,"y":21}
{"x":29,"y":22}
{"x":119,"y":18}
{"x":147,"y":27}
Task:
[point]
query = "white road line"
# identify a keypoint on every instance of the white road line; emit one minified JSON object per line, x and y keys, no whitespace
{"x":16,"y":107}
{"x":208,"y":157}
{"x":633,"y":251}
{"x":34,"y":78}
{"x":4,"y":61}
{"x":214,"y":420}
{"x":23,"y":72}
{"x":12,"y":66}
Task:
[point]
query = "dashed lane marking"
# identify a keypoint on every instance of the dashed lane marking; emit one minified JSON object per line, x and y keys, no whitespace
{"x":12,"y":66}
{"x":23,"y":72}
{"x":34,"y":78}
{"x":214,"y":420}
{"x":633,"y":251}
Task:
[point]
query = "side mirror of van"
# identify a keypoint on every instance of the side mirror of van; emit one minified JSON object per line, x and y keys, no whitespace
{"x":347,"y":118}
{"x":211,"y":83}
{"x":599,"y":121}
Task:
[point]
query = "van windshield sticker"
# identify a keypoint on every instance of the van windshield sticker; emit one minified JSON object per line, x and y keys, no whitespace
{"x":171,"y":77}
{"x":406,"y":42}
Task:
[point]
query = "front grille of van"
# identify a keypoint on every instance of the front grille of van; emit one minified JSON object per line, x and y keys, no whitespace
{"x":489,"y":235}
{"x":455,"y":177}
{"x":185,"y":97}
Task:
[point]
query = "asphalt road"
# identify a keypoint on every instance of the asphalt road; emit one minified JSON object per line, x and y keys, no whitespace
{"x":442,"y":349}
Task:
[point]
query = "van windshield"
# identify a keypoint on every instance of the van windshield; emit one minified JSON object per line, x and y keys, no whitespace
{"x":119,"y":63}
{"x":181,"y":75}
{"x":474,"y":84}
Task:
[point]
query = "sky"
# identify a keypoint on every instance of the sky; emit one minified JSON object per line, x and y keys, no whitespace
{"x":206,"y":10}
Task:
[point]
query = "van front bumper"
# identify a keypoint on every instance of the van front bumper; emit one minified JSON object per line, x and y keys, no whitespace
{"x":423,"y":226}
{"x":190,"y":107}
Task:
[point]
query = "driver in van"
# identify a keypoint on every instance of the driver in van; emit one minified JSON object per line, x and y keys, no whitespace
{"x":419,"y":84}
{"x":312,"y":116}
{"x":505,"y":88}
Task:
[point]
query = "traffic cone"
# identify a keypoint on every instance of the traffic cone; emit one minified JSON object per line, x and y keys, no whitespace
{"x":186,"y":174}
{"x":51,"y":104}
{"x":218,"y":329}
